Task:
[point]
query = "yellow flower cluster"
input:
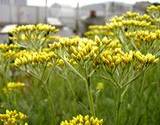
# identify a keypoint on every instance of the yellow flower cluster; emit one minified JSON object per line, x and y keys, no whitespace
{"x":11,"y":54}
{"x":132,"y":16}
{"x":78,"y":49}
{"x":147,"y":59}
{"x":82,"y":49}
{"x":6,"y":47}
{"x":109,"y":51}
{"x":34,"y":28}
{"x":153,"y":8}
{"x":83,"y":120}
{"x":98,"y":30}
{"x":33,"y":36}
{"x":130,"y":21}
{"x":30,"y":57}
{"x":111,"y":43}
{"x":112,"y":54}
{"x":127,"y":24}
{"x":24,"y":57}
{"x":86,"y":49}
{"x":110,"y":28}
{"x":143,"y":36}
{"x":65,"y":42}
{"x":154,"y":11}
{"x":13,"y":118}
{"x":11,"y":86}
{"x":113,"y":26}
{"x":115,"y":57}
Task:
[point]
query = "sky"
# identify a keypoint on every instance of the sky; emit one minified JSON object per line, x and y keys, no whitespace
{"x":73,"y":3}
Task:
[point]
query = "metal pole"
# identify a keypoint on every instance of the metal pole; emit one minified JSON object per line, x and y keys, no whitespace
{"x":105,"y":13}
{"x":10,"y":13}
{"x":77,"y":19}
{"x":46,"y":11}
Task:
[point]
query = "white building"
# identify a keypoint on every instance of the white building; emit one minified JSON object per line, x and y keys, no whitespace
{"x":66,"y":14}
{"x":108,"y":9}
{"x":13,"y":2}
{"x":10,"y":14}
{"x":116,"y":9}
{"x":141,"y":6}
{"x":104,"y":11}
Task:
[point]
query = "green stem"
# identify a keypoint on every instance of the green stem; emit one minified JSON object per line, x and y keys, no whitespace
{"x":90,"y":97}
{"x":66,"y":77}
{"x":120,"y":96}
{"x":142,"y":84}
{"x":87,"y":81}
{"x":118,"y":106}
{"x":45,"y":85}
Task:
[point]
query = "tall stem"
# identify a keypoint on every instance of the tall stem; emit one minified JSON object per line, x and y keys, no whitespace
{"x":90,"y":97}
{"x":87,"y":80}
{"x":46,"y":88}
{"x":118,"y":106}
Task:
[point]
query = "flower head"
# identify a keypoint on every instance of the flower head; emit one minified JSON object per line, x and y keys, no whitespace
{"x":83,"y":120}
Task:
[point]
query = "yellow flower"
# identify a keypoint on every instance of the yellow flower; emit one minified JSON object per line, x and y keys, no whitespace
{"x":149,"y":58}
{"x":31,"y":57}
{"x":83,"y":120}
{"x":6,"y":47}
{"x":12,"y":117}
{"x":33,"y":36}
{"x":11,"y":86}
{"x":100,"y":86}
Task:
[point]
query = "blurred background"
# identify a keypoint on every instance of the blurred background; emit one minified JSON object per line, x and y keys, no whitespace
{"x":72,"y":17}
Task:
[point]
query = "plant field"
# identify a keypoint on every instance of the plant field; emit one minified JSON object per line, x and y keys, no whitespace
{"x":109,"y":77}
